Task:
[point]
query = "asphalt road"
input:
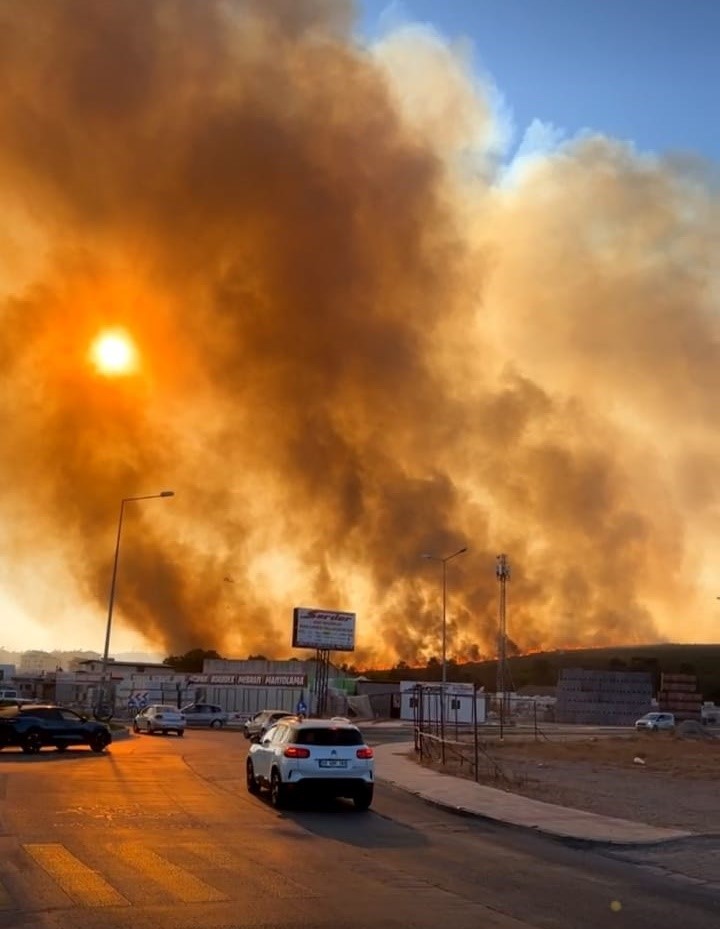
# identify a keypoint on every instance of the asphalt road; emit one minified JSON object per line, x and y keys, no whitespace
{"x":161,"y":833}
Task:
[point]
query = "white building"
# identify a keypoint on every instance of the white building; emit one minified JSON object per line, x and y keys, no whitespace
{"x":424,"y":700}
{"x":238,"y":686}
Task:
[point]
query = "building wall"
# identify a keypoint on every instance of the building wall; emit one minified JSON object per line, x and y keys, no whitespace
{"x":458,"y":702}
{"x":603,"y":698}
{"x":242,"y":666}
{"x":124,"y":668}
{"x":243,"y":687}
{"x":384,"y":697}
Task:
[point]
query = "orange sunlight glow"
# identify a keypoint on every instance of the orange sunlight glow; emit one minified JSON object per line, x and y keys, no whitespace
{"x":114,"y":354}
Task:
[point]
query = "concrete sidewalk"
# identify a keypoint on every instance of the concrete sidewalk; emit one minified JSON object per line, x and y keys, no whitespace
{"x":464,"y":796}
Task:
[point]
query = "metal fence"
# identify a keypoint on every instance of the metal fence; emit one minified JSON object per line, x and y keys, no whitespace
{"x":461,"y":732}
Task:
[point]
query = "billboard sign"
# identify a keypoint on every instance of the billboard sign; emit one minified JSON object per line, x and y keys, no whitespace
{"x":323,"y":629}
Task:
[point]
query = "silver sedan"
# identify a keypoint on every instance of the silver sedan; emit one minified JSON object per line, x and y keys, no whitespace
{"x":160,"y":718}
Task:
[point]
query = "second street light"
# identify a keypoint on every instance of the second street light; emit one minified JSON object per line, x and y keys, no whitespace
{"x":100,"y":709}
{"x":444,"y":563}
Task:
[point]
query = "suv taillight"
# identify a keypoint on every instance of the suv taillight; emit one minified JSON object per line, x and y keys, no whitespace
{"x":292,"y":751}
{"x":365,"y":752}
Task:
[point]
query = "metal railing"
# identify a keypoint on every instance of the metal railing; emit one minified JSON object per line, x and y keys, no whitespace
{"x":462,"y":732}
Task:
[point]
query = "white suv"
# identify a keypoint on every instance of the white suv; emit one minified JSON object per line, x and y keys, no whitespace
{"x":655,"y":721}
{"x":328,"y":756}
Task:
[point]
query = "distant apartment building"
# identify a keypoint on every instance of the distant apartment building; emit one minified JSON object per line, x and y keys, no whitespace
{"x":37,"y":662}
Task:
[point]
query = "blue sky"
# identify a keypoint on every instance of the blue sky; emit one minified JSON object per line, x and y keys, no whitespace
{"x":646,"y":71}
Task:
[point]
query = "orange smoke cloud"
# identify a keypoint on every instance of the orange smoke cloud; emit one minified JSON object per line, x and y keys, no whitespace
{"x":357,"y":339}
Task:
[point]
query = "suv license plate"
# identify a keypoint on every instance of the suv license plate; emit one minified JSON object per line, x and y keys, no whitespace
{"x":332,"y":763}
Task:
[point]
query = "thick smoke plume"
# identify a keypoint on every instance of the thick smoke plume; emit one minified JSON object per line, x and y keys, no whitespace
{"x":359,"y":340}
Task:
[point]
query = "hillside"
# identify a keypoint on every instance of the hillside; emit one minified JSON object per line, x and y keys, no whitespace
{"x":543,"y":668}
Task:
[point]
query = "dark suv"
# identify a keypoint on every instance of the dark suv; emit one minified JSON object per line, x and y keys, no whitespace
{"x":32,"y":727}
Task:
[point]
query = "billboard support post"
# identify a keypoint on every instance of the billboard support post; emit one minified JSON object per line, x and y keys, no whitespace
{"x":322,"y":673}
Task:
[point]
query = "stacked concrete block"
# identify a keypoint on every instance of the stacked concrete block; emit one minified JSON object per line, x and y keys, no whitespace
{"x":678,"y":695}
{"x":603,"y":698}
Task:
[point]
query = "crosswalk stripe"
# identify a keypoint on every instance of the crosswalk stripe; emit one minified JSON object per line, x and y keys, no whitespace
{"x":83,"y":885}
{"x":177,"y":881}
{"x":253,"y":869}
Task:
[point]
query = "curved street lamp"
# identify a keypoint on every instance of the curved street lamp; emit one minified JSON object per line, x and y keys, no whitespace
{"x":444,"y":563}
{"x":111,"y":603}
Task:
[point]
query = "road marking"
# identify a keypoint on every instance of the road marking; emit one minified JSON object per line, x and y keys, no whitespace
{"x":177,"y":881}
{"x":83,"y":885}
{"x":252,"y":868}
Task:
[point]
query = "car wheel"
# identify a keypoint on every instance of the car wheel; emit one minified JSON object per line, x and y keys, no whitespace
{"x":252,"y":785}
{"x":32,"y":742}
{"x":278,"y":791}
{"x":136,"y":728}
{"x":216,"y":724}
{"x":181,"y":733}
{"x":363,"y":798}
{"x":98,"y":742}
{"x":62,"y":747}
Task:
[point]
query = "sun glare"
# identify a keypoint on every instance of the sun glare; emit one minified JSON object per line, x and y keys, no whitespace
{"x":113,"y":354}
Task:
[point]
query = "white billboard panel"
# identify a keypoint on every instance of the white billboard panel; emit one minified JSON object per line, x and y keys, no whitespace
{"x":325,"y":629}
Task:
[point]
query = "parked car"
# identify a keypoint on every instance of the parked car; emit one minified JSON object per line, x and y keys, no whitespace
{"x":656,"y":721}
{"x":15,"y":701}
{"x":326,"y":756}
{"x":34,"y":726}
{"x":205,"y":714}
{"x":256,"y":727}
{"x":160,"y":717}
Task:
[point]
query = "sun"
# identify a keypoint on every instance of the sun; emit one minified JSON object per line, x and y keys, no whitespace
{"x":114,"y":354}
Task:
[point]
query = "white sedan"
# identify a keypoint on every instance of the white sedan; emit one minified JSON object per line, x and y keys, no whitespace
{"x":160,"y":717}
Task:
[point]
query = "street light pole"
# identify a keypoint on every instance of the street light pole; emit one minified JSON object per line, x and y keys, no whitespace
{"x":111,"y":602}
{"x":444,"y":563}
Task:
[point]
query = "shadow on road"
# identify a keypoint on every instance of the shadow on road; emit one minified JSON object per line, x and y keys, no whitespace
{"x":79,"y":753}
{"x":338,"y":820}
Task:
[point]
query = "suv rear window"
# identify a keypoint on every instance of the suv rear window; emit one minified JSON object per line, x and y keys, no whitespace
{"x":327,"y":737}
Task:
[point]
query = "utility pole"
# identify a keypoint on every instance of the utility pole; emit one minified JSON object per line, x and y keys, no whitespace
{"x":502,"y":572}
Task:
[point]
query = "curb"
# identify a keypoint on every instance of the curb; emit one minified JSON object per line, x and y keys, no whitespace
{"x":570,"y":840}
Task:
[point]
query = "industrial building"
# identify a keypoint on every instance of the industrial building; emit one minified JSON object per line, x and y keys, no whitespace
{"x":242,"y":687}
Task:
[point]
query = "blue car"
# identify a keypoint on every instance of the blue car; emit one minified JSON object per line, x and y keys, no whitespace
{"x":33,"y":727}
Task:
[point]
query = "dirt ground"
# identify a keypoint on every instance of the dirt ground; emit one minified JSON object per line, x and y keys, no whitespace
{"x":677,"y":785}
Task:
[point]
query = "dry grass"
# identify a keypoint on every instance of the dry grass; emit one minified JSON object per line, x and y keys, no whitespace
{"x":676,"y":786}
{"x":662,"y":753}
